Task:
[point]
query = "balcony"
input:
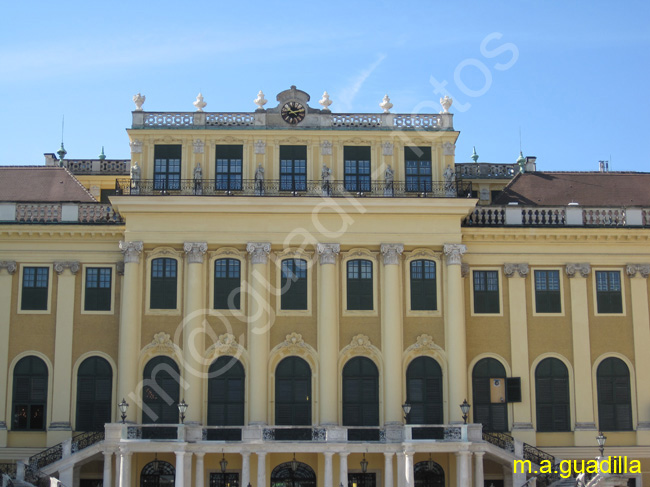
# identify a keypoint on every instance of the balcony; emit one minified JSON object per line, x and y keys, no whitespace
{"x":274,"y":187}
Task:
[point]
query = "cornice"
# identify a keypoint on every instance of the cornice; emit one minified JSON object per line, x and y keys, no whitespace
{"x":51,"y":231}
{"x":555,"y":235}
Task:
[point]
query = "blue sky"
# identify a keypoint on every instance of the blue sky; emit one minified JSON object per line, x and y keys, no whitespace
{"x":571,"y":75}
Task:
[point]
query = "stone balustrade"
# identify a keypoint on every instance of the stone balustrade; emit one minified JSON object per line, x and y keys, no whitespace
{"x":94,"y":167}
{"x":486,"y":170}
{"x":87,"y":213}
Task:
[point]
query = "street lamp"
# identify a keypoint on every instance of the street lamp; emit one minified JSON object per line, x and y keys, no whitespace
{"x":223,"y":463}
{"x":407,"y":409}
{"x":182,"y":407}
{"x":294,"y":464}
{"x":601,"y":442}
{"x":465,"y":409}
{"x":364,"y":464}
{"x":430,"y":464}
{"x":123,"y":407}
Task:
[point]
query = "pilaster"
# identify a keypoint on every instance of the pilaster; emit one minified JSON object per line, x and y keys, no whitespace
{"x":7,"y":270}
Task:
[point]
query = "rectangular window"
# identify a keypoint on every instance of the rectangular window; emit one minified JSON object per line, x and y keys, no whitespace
{"x":167,"y":167}
{"x":227,"y":292}
{"x":228,"y":167}
{"x":293,"y":168}
{"x":357,"y":168}
{"x":35,"y":288}
{"x":359,"y":285}
{"x":98,"y":289}
{"x":423,"y":285}
{"x":608,"y":292}
{"x":547,"y":292}
{"x":294,"y":284}
{"x":486,"y":292}
{"x":163,"y":284}
{"x":417,"y":162}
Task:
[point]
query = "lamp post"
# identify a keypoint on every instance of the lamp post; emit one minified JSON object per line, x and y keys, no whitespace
{"x":364,"y":464}
{"x":182,"y":407}
{"x":407,"y":409}
{"x":465,"y":409}
{"x":123,"y":407}
{"x":430,"y":464}
{"x":223,"y":463}
{"x":601,"y":442}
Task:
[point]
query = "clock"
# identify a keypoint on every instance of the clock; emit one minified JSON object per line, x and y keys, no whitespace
{"x":293,"y":112}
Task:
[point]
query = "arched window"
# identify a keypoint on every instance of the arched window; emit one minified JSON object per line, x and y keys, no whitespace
{"x":488,"y":386}
{"x":227,"y":284}
{"x":226,"y":392}
{"x":160,"y":391}
{"x":424,"y":391}
{"x":94,"y":394}
{"x":360,"y":393}
{"x":294,"y":284}
{"x":552,"y":395}
{"x":284,"y":476}
{"x":423,"y":285}
{"x":30,"y":394}
{"x":163,"y":284}
{"x":359,"y":284}
{"x":429,"y":474}
{"x":157,"y":474}
{"x":293,"y":392}
{"x":614,"y":398}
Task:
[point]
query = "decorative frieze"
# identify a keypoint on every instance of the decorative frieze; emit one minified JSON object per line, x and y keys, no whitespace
{"x":10,"y":265}
{"x":449,"y":149}
{"x":391,"y":253}
{"x":195,"y":251}
{"x":521,"y":269}
{"x":582,"y":269}
{"x":260,"y":147}
{"x":198,"y":146}
{"x":326,"y":148}
{"x":642,"y":269}
{"x":131,"y":251}
{"x":258,"y":251}
{"x":454,"y":253}
{"x":328,"y":252}
{"x":59,"y":267}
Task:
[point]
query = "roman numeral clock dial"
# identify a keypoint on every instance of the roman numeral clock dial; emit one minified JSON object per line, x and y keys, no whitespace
{"x":293,"y":112}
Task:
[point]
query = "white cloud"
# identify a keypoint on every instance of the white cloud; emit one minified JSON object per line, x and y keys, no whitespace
{"x":347,"y":95}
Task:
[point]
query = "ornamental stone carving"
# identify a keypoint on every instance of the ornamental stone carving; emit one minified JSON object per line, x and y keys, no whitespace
{"x":510,"y":269}
{"x":198,"y":146}
{"x":139,"y":101}
{"x":293,"y":343}
{"x":449,"y":149}
{"x":195,"y":251}
{"x":161,"y":345}
{"x":328,"y":252}
{"x":199,"y":103}
{"x":360,"y":342}
{"x":260,"y":101}
{"x":582,"y":269}
{"x":391,"y":253}
{"x":387,"y":148}
{"x":632,"y":269}
{"x":226,"y":344}
{"x":136,"y":146}
{"x":425,"y":343}
{"x":464,"y":270}
{"x":325,"y":102}
{"x":119,"y":267}
{"x":260,"y":147}
{"x":258,"y":251}
{"x":10,"y":265}
{"x":59,"y":267}
{"x":131,"y":251}
{"x":454,"y":253}
{"x":385,"y":104}
{"x":326,"y":148}
{"x":446,"y":103}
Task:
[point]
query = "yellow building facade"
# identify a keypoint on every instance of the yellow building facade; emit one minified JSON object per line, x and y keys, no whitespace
{"x":320,"y":293}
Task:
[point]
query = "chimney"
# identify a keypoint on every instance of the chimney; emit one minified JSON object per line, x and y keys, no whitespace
{"x":531,"y":165}
{"x":50,"y":159}
{"x":603,"y":166}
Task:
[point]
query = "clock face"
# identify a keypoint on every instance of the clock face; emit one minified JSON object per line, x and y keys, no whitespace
{"x":293,"y":112}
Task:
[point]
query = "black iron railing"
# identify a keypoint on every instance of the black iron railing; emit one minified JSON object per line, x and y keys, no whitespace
{"x":502,"y":440}
{"x":46,"y":457}
{"x":84,"y":440}
{"x":8,"y":469}
{"x":276,"y":187}
{"x":537,"y":456}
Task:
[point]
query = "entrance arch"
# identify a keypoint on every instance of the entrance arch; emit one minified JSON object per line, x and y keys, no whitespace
{"x":284,"y":476}
{"x":157,"y":474}
{"x":429,"y":474}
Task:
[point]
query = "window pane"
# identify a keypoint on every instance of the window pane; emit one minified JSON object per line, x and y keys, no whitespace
{"x":423,"y":285}
{"x":547,"y":292}
{"x":98,"y":289}
{"x":35,"y":288}
{"x":163,"y":284}
{"x":359,"y":285}
{"x":294,"y":284}
{"x":486,"y":291}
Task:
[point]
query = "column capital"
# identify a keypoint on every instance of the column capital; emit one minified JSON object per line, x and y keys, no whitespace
{"x":131,"y":251}
{"x":510,"y":269}
{"x":328,"y":252}
{"x":59,"y":267}
{"x":572,"y":270}
{"x":632,"y":270}
{"x":328,"y":453}
{"x":391,"y":253}
{"x":344,"y":453}
{"x":195,"y":251}
{"x":9,"y":265}
{"x":199,"y":454}
{"x":454,"y":253}
{"x":479,"y":453}
{"x":389,"y":454}
{"x":258,"y":251}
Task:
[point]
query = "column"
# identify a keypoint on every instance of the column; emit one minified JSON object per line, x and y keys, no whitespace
{"x":463,"y":469}
{"x":60,"y":427}
{"x":391,"y":333}
{"x":129,"y":341}
{"x":180,"y":469}
{"x":108,"y":468}
{"x":343,"y":469}
{"x":328,"y":469}
{"x":388,"y":469}
{"x":125,"y":467}
{"x":118,"y":469}
{"x":245,"y":468}
{"x":328,"y":334}
{"x":638,"y":274}
{"x":508,"y":478}
{"x":199,"y":474}
{"x":258,"y":332}
{"x":585,"y":430}
{"x":193,"y":332}
{"x":408,"y":468}
{"x":401,"y":469}
{"x":522,"y":427}
{"x":455,"y":343}
{"x":478,"y":469}
{"x":7,"y":270}
{"x":261,"y":469}
{"x":66,"y":476}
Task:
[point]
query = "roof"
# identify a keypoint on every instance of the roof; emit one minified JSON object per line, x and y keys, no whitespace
{"x":42,"y":184}
{"x":585,"y":188}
